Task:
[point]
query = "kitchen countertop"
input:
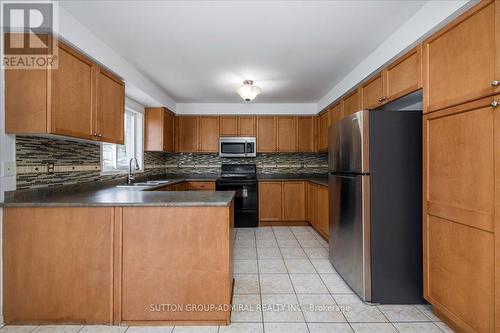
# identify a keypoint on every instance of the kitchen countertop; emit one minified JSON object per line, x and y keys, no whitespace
{"x":102,"y":195}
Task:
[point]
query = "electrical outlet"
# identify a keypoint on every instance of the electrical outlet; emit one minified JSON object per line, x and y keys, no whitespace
{"x":8,"y":169}
{"x":50,"y":168}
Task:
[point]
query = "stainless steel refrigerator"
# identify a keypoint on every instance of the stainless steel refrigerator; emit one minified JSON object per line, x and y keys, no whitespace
{"x":375,"y":204}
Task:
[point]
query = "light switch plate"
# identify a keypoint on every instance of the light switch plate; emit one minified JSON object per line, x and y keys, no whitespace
{"x":8,"y":169}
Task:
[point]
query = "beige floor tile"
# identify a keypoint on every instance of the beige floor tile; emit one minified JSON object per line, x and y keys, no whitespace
{"x":293,"y":253}
{"x":320,"y":308}
{"x":358,"y":312}
{"x":323,"y":266}
{"x":272,"y":266}
{"x":150,"y":329}
{"x":262,"y":243}
{"x":195,"y":329}
{"x":17,"y":329}
{"x":335,"y":284}
{"x":275,"y":284}
{"x":103,"y":329}
{"x":299,"y":266}
{"x":373,"y":328}
{"x":245,"y":253}
{"x":402,"y":313}
{"x":268,"y":253}
{"x":281,"y":308}
{"x":246,"y":284}
{"x":329,"y":328}
{"x":245,"y":267}
{"x":305,"y":242}
{"x":417,"y":328}
{"x":244,"y":242}
{"x":316,"y":252}
{"x":57,"y":329}
{"x":246,"y":309}
{"x":288,"y":243}
{"x":242,"y":328}
{"x":308,"y":284}
{"x":286,"y":328}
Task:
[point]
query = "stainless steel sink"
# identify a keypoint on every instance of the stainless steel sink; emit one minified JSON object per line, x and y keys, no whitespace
{"x":145,"y":185}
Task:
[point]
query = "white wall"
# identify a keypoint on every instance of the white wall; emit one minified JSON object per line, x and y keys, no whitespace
{"x":246,"y":108}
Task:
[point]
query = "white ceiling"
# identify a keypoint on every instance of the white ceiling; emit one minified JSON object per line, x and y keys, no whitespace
{"x":200,"y":51}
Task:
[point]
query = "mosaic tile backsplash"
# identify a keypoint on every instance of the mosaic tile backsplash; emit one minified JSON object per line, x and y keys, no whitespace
{"x":79,"y":162}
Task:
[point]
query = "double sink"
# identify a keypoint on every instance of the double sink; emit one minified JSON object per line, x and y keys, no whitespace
{"x":144,"y":186}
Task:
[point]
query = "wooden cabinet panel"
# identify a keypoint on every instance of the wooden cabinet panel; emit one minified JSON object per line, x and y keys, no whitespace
{"x":336,"y":113}
{"x":71,"y":95}
{"x":266,"y":134}
{"x":287,"y":134}
{"x":200,"y":186}
{"x":305,"y":134}
{"x":158,"y":130}
{"x":312,"y":204}
{"x":57,"y":265}
{"x":351,"y":103}
{"x":168,"y":132}
{"x":110,"y":109}
{"x":404,"y":76}
{"x":460,"y":60}
{"x":209,"y":134}
{"x":246,"y":126}
{"x":294,"y":201}
{"x":372,"y":92}
{"x":323,"y":123}
{"x":270,"y":201}
{"x":322,"y":201}
{"x":228,"y":125}
{"x":187,"y":133}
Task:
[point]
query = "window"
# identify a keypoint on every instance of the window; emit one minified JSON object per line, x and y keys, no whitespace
{"x":115,"y":158}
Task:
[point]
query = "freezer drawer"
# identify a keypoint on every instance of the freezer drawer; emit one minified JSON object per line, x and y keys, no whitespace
{"x":349,"y":223}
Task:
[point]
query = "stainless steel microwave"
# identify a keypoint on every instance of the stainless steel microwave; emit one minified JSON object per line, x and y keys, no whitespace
{"x":237,"y":147}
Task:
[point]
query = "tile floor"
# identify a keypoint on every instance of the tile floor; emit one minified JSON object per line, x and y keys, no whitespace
{"x":276,"y":270}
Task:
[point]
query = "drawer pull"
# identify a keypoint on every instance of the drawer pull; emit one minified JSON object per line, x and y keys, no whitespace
{"x":494,"y":104}
{"x":495,"y":83}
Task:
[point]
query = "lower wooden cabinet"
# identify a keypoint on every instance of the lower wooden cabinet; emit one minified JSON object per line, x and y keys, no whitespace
{"x":270,"y":201}
{"x":282,"y":201}
{"x":317,"y":208}
{"x":201,"y":186}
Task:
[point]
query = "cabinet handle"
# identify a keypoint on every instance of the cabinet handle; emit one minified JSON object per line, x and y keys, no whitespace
{"x":495,"y":83}
{"x":383,"y":98}
{"x":95,"y":134}
{"x":99,"y":136}
{"x":494,"y":104}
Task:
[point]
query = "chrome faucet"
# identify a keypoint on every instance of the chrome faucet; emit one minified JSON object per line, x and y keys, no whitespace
{"x":137,"y":167}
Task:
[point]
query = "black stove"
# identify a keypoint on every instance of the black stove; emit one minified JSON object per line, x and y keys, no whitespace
{"x":242,"y":179}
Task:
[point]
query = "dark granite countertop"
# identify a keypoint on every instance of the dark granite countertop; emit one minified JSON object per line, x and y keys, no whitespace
{"x":107,"y":194}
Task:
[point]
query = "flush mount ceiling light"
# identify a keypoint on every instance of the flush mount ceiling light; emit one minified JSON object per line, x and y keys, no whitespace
{"x":248,"y":91}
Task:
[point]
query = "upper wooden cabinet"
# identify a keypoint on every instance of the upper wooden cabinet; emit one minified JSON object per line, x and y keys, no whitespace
{"x":352,"y":103}
{"x":209,"y":134}
{"x":78,"y":99}
{"x":462,"y":60}
{"x":306,"y":134}
{"x":404,"y":75}
{"x":336,"y":113}
{"x":158,"y":130}
{"x":287,"y":134}
{"x":266,"y":134}
{"x":373,"y":92}
{"x":323,"y":123}
{"x":228,"y":126}
{"x":246,"y":126}
{"x":187,"y":133}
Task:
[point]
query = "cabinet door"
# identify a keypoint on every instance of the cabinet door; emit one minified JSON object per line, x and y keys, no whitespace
{"x":352,"y":103}
{"x":187,"y":133}
{"x":372,"y":92}
{"x":154,"y":120}
{"x":110,"y":109}
{"x":168,"y":132}
{"x":246,"y":126}
{"x":336,"y":113}
{"x":324,"y":122}
{"x":322,"y":202}
{"x":287,"y":134}
{"x":404,"y":76}
{"x":312,"y":205}
{"x":209,"y":134}
{"x":459,"y":219}
{"x":270,"y":201}
{"x":294,"y":201}
{"x":305,"y":134}
{"x":266,"y":134}
{"x":461,"y":59}
{"x":72,"y":94}
{"x":228,"y":126}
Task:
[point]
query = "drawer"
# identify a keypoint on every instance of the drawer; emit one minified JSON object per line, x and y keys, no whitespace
{"x":201,"y":186}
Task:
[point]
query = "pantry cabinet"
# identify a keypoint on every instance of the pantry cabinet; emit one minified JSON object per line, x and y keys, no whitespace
{"x":158,"y":130}
{"x":266,"y":134}
{"x":462,"y":60}
{"x":78,"y":99}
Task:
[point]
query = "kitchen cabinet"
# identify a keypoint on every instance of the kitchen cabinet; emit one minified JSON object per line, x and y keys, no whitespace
{"x":228,"y":126}
{"x":187,"y":133}
{"x":246,"y":126}
{"x":404,"y":75}
{"x":270,"y":201}
{"x":294,"y":201}
{"x":158,"y":130}
{"x":317,"y":208}
{"x":78,"y":99}
{"x":373,"y":92}
{"x":201,"y":186}
{"x":460,"y":240}
{"x":287,"y":134}
{"x":351,"y":103}
{"x":312,"y":204}
{"x":462,"y":60}
{"x":336,"y":113}
{"x":266,"y":134}
{"x":209,"y":134}
{"x":323,"y":123}
{"x":306,"y":134}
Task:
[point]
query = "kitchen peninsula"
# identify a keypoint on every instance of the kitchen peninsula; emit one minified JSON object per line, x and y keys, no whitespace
{"x":118,"y":256}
